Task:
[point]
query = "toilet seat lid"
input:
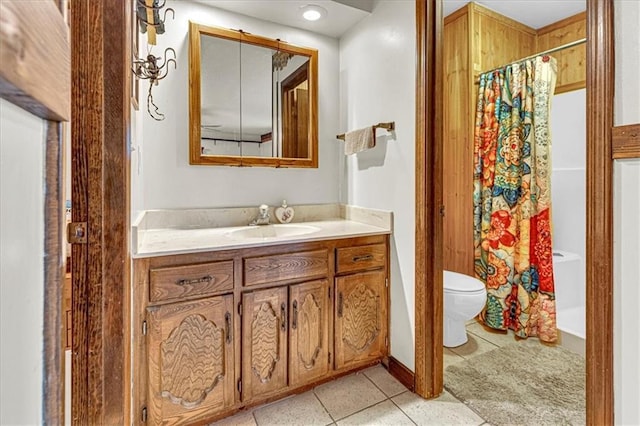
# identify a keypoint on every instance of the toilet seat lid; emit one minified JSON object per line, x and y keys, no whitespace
{"x":460,"y":283}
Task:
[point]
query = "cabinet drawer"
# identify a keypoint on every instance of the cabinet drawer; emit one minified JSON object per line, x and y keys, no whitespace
{"x":360,"y":258}
{"x":190,"y":280}
{"x":265,"y":269}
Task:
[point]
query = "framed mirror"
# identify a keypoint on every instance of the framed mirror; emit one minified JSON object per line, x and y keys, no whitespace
{"x":252,"y":100}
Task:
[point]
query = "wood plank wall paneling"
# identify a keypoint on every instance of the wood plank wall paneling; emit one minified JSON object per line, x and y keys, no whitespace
{"x":457,"y":148}
{"x":599,"y":262}
{"x":428,"y":278}
{"x":626,"y":141}
{"x":473,"y":42}
{"x":490,"y":30}
{"x":572,"y":72}
{"x":35,"y":58}
{"x":100,"y":111}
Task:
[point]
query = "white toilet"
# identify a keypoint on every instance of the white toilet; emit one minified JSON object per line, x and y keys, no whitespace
{"x":464,"y":298}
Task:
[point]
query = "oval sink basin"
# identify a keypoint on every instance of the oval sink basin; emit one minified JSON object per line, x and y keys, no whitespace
{"x":272,"y":231}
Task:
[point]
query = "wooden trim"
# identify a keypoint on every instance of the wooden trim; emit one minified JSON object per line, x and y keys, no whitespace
{"x":402,"y":373}
{"x":626,"y":141}
{"x":570,"y":87}
{"x":54,"y":330}
{"x":34,"y":58}
{"x":428,"y":257}
{"x":578,"y":17}
{"x":599,"y":262}
{"x":100,"y":126}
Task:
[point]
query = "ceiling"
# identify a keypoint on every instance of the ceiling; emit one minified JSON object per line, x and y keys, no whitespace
{"x":534,"y":13}
{"x":344,"y":14}
{"x":341,"y":14}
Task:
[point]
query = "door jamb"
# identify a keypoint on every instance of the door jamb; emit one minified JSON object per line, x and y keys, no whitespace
{"x":429,"y":175}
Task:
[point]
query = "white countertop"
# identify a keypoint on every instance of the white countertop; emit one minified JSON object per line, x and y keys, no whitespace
{"x":169,"y":241}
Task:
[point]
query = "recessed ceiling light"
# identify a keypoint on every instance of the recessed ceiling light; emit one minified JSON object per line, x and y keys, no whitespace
{"x":312,"y":12}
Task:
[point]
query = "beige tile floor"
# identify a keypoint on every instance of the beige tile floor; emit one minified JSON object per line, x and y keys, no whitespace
{"x":374,"y":397}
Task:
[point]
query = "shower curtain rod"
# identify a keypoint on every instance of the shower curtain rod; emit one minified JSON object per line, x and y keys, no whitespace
{"x":546,"y":52}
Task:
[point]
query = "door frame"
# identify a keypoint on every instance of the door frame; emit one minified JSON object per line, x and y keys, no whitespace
{"x":599,"y":165}
{"x":100,"y":274}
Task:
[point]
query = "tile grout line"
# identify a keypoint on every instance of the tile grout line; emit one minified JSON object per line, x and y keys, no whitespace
{"x":380,"y":389}
{"x":320,"y":401}
{"x":400,"y":408}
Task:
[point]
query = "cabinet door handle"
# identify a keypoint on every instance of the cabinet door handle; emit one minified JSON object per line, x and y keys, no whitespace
{"x":363,"y":258}
{"x":340,"y":304}
{"x":227,"y":322}
{"x":283,"y":317}
{"x":294,"y":323}
{"x":206,"y":279}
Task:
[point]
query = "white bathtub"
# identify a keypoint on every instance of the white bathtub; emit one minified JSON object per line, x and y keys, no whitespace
{"x":570,"y":290}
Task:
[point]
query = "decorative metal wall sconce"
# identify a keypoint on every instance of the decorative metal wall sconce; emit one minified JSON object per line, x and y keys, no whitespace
{"x":154,"y":69}
{"x":148,"y":14}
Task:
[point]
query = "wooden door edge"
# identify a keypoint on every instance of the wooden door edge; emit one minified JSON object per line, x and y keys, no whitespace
{"x":428,"y":260}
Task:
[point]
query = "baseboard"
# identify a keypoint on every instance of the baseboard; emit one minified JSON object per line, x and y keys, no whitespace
{"x":401,"y":373}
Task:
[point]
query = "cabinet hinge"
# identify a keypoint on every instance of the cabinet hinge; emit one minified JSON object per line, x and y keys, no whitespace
{"x":329,"y":292}
{"x":240,"y":308}
{"x":386,"y":341}
{"x":143,"y":415}
{"x":329,"y":360}
{"x":240,"y":385}
{"x":386,"y":282}
{"x":144,"y":328}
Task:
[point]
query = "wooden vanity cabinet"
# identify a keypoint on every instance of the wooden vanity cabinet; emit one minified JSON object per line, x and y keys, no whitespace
{"x":190,"y":359}
{"x":224,"y":330}
{"x":361,"y":305}
{"x":264,"y":341}
{"x":361,"y":316}
{"x":284,"y":337}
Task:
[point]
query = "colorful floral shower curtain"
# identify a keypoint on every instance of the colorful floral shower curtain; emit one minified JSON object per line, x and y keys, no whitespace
{"x":512,"y":198}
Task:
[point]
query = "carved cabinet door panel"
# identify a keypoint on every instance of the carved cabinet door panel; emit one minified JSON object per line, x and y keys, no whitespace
{"x":264,"y":341}
{"x":309,"y":307}
{"x":191,"y":360}
{"x":361,"y":318}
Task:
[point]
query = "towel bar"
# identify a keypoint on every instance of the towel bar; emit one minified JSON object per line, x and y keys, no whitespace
{"x":390,"y":127}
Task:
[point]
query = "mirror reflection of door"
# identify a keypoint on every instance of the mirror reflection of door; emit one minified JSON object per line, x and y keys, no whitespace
{"x":295,"y":113}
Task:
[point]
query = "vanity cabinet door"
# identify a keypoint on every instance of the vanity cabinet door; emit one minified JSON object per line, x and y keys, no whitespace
{"x":309,"y":308}
{"x":264,"y":342}
{"x":191,"y":360}
{"x":361,"y":318}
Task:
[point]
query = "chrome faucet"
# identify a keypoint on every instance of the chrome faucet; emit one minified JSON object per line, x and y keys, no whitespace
{"x":263,"y":216}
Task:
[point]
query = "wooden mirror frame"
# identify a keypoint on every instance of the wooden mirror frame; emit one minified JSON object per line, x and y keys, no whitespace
{"x":195,"y":156}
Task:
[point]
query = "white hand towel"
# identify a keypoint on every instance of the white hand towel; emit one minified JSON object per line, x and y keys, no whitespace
{"x":359,"y":140}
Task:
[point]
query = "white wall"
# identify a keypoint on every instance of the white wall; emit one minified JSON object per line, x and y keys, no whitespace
{"x":568,"y":179}
{"x":377,"y":84}
{"x":21,"y":265}
{"x":166,"y":176}
{"x":626,"y":221}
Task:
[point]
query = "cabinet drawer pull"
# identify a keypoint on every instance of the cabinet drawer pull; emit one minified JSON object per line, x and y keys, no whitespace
{"x":283,"y":317}
{"x":294,"y":323}
{"x":340,"y":304}
{"x":206,"y":279}
{"x":227,"y":322}
{"x":363,"y":258}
